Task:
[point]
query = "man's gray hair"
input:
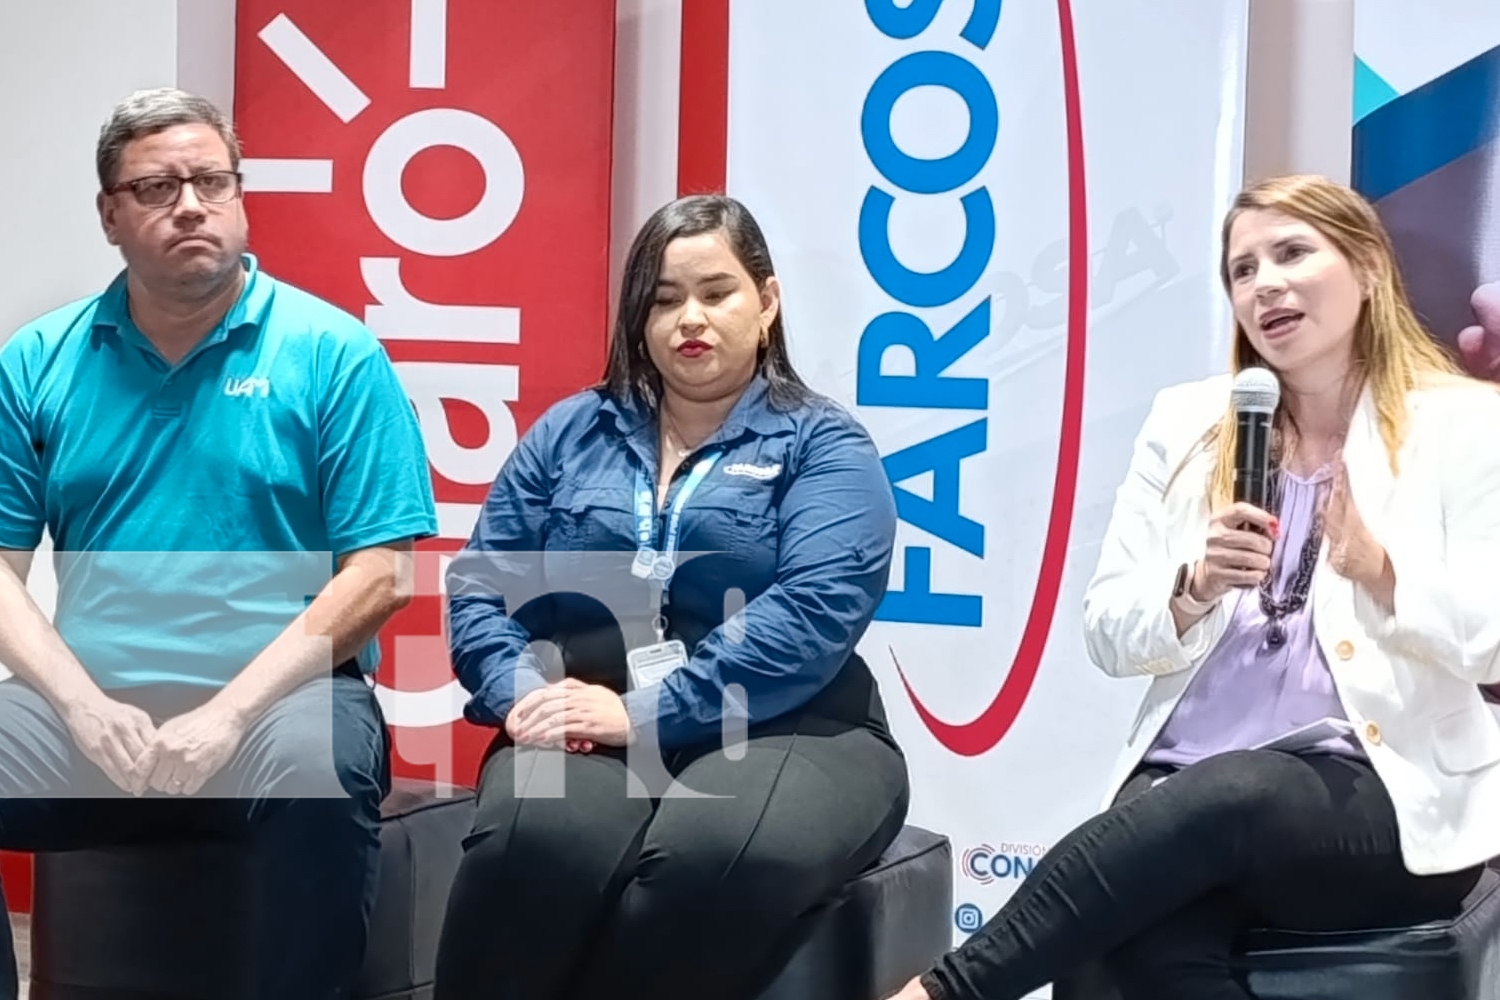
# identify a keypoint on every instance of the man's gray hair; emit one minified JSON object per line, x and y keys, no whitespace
{"x":147,"y":112}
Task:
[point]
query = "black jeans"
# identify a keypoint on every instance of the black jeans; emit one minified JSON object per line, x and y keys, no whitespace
{"x":306,"y":783}
{"x":571,"y":887}
{"x":1160,"y":884}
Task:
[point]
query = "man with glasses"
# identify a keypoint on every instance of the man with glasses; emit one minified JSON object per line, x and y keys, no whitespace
{"x":233,"y":479}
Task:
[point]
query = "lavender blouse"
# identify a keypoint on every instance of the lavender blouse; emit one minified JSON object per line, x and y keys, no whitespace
{"x":1250,"y":690}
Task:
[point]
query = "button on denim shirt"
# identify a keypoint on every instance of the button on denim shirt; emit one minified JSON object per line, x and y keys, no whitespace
{"x":784,"y":556}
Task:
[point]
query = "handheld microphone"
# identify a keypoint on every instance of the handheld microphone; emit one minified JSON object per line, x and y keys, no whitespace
{"x":1254,"y":397}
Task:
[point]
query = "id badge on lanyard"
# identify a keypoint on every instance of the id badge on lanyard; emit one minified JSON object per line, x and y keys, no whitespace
{"x":652,"y":664}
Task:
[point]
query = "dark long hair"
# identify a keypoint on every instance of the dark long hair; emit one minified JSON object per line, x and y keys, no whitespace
{"x":629,"y":369}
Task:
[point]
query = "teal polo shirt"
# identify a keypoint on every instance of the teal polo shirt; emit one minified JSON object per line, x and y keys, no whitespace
{"x":197,"y":508}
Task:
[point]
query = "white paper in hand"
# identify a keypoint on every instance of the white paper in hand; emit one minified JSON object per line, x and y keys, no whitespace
{"x":1309,"y":736}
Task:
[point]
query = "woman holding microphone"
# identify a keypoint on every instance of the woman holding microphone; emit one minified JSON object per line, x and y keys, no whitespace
{"x":1361,"y":604}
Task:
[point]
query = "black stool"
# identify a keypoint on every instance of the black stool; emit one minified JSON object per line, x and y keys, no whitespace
{"x":889,"y":924}
{"x":1456,"y":959}
{"x":102,"y":928}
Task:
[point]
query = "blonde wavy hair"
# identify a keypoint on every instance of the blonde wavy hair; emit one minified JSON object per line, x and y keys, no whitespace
{"x":1393,"y":353}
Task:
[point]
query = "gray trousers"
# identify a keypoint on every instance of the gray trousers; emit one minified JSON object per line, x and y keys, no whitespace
{"x":305,"y":783}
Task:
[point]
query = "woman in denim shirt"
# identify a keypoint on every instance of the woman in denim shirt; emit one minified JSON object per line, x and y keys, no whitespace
{"x":658,"y":610}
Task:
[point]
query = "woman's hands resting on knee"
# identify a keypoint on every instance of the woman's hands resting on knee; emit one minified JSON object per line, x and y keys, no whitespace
{"x":570,"y":714}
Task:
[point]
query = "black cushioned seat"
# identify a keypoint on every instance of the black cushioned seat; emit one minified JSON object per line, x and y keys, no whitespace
{"x":166,"y":920}
{"x":889,"y":924}
{"x":1456,"y":959}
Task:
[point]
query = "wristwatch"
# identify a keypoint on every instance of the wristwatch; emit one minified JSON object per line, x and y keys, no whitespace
{"x":1181,"y":594}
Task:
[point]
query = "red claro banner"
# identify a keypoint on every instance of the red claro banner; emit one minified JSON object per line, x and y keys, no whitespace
{"x":440,"y":169}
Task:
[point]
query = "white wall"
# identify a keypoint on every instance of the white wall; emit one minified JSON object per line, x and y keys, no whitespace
{"x":648,"y":37}
{"x":63,"y":65}
{"x":205,"y":49}
{"x":1299,"y":88}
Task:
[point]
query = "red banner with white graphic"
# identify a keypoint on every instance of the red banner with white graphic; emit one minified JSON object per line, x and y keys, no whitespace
{"x":440,"y":169}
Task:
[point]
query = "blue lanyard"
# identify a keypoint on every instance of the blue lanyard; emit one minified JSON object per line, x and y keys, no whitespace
{"x":660,"y":565}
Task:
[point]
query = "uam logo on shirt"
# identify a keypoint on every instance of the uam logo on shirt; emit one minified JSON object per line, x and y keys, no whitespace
{"x":247,"y":387}
{"x":761,"y":472}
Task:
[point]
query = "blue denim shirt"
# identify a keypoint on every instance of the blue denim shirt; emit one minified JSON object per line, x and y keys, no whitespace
{"x":786,"y":548}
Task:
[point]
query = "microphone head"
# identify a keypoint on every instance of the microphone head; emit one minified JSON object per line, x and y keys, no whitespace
{"x":1256,"y":390}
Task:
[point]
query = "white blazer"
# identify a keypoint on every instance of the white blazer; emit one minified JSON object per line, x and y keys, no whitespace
{"x":1408,"y":681}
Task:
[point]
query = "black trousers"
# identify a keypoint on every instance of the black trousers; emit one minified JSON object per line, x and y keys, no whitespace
{"x":1162,"y":883}
{"x":305,"y":784}
{"x":573,"y":887}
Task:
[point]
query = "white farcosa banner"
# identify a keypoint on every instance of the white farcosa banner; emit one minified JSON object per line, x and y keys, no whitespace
{"x":997,"y":231}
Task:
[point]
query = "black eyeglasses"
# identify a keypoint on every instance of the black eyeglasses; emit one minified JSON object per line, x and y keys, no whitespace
{"x":161,"y":190}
